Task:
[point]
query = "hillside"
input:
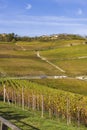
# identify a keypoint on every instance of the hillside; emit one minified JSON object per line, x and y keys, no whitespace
{"x":30,"y":120}
{"x":47,"y":75}
{"x":21,"y":59}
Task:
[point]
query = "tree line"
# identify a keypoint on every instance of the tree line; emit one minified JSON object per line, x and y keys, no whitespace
{"x":12,"y":37}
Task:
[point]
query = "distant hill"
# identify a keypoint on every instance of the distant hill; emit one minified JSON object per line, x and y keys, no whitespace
{"x":11,"y":37}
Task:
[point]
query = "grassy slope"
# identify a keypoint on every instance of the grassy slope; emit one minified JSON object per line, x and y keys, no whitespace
{"x":37,"y":45}
{"x":29,"y":120}
{"x":67,"y":59}
{"x":70,"y":85}
{"x":31,"y":65}
{"x":14,"y":61}
{"x":67,"y":52}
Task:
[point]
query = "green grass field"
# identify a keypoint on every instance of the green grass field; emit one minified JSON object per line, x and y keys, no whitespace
{"x":70,"y":85}
{"x":71,"y":59}
{"x":38,"y":45}
{"x":30,"y":120}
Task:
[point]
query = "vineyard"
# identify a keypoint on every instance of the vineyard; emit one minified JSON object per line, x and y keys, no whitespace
{"x":72,"y":59}
{"x":20,"y":59}
{"x":69,"y":85}
{"x":31,"y":80}
{"x":57,"y":103}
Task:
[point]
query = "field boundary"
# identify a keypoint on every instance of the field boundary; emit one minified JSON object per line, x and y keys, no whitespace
{"x":5,"y":124}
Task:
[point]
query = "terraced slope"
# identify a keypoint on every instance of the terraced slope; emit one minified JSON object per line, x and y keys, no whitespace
{"x":21,"y":59}
{"x":71,"y":59}
{"x":14,"y":61}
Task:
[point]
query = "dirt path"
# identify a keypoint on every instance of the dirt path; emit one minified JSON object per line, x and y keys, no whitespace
{"x":22,"y":48}
{"x":82,"y":57}
{"x":55,"y":66}
{"x":42,"y":58}
{"x":2,"y":72}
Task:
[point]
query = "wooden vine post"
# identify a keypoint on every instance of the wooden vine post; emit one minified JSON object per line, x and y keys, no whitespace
{"x":49,"y":108}
{"x":42,"y":106}
{"x":78,"y":116}
{"x":4,"y":92}
{"x":68,"y":112}
{"x":33,"y":102}
{"x":22,"y":98}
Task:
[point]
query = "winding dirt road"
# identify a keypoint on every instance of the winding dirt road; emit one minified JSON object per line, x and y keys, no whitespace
{"x":55,"y":66}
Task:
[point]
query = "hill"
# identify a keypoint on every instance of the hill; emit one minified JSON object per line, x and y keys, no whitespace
{"x":52,"y":69}
{"x":20,"y":58}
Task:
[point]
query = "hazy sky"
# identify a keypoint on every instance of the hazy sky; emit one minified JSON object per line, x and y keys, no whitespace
{"x":39,"y":17}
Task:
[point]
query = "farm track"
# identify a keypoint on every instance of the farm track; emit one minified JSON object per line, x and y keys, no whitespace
{"x":76,"y":58}
{"x":21,"y":47}
{"x":44,"y":59}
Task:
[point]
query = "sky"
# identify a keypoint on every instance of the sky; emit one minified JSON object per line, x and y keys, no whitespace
{"x":43,"y":17}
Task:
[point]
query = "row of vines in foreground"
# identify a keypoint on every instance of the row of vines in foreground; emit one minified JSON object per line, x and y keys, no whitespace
{"x":57,"y":103}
